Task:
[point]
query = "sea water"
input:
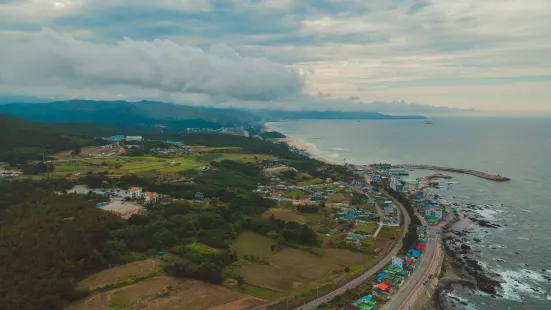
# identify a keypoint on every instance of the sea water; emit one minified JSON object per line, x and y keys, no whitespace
{"x":517,"y":148}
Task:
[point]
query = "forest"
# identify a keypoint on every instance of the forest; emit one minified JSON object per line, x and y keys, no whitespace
{"x":410,"y":239}
{"x":24,"y":140}
{"x":49,"y":241}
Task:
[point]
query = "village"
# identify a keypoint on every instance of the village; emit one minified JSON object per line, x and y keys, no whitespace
{"x":353,"y":213}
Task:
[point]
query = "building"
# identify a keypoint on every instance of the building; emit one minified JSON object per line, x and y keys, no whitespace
{"x":410,"y":185}
{"x":134,"y":192}
{"x":414,"y":253}
{"x":397,"y":172}
{"x":134,"y":138}
{"x":150,"y":197}
{"x":177,"y":143}
{"x":397,"y":262}
{"x":434,"y":212}
{"x":199,"y":196}
{"x":396,"y":184}
{"x":116,"y":138}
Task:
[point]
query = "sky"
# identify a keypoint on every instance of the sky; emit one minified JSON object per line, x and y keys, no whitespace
{"x":491,"y":55}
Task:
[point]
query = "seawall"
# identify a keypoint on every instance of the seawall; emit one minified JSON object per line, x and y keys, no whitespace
{"x":484,"y":175}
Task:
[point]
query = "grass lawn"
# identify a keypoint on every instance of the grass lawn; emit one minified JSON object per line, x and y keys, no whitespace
{"x":389,"y":232}
{"x":293,"y":194}
{"x":67,"y":168}
{"x":245,"y":158}
{"x":147,"y":158}
{"x":336,"y":198}
{"x":257,"y":291}
{"x":209,"y":157}
{"x":252,"y":244}
{"x":312,"y":181}
{"x":185,"y":164}
{"x":291,"y":215}
{"x":368,"y":228}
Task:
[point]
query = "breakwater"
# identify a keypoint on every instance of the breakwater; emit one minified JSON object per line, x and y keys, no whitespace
{"x":484,"y":175}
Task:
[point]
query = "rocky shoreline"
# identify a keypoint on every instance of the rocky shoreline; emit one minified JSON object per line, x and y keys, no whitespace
{"x":461,"y":265}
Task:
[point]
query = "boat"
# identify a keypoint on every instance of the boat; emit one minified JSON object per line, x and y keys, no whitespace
{"x":428,"y":123}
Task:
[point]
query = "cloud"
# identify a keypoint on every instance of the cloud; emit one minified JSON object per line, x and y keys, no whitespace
{"x":49,"y":58}
{"x":379,"y":50}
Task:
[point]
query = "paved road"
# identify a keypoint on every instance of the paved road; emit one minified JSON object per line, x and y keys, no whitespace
{"x":405,"y":298}
{"x":366,"y":275}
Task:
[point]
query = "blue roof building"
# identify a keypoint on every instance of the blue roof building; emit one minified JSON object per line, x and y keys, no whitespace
{"x":116,"y":138}
{"x":414,"y":253}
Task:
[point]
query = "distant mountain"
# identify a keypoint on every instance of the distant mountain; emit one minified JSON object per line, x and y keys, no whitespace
{"x":271,"y":115}
{"x":28,"y":99}
{"x":143,"y":115}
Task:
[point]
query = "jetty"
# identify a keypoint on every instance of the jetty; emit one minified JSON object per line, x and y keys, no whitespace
{"x":483,"y":175}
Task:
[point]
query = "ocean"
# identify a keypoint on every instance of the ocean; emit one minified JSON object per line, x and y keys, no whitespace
{"x":519,"y":251}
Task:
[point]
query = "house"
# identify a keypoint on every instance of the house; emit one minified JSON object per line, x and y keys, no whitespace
{"x":281,"y":187}
{"x":380,"y":289}
{"x":414,"y":253}
{"x":134,"y":192}
{"x":199,"y":196}
{"x":150,"y":197}
{"x":365,"y":303}
{"x":397,"y":262}
{"x":328,"y":180}
{"x":354,"y":239}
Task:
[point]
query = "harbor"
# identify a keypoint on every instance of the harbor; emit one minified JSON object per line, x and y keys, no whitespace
{"x":483,"y":175}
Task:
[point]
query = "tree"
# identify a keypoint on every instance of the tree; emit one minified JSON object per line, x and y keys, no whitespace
{"x":240,"y":279}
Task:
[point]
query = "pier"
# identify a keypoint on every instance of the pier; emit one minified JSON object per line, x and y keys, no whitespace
{"x":484,"y":175}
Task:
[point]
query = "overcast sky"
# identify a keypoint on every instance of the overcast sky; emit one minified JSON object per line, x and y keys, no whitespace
{"x":491,"y":55}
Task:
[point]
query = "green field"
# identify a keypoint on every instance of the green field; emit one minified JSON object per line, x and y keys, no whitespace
{"x":138,"y":164}
{"x":389,"y":232}
{"x":368,"y":228}
{"x":252,"y":244}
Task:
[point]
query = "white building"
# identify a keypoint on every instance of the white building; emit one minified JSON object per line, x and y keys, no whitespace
{"x":134,"y":138}
{"x":134,"y":192}
{"x":150,"y":197}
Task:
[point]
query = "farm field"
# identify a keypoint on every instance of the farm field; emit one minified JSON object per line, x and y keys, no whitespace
{"x":252,"y":244}
{"x":368,"y":228}
{"x":291,"y":215}
{"x":168,"y":293}
{"x":389,"y":232}
{"x":246,"y":158}
{"x":129,"y":165}
{"x":292,"y":270}
{"x":120,"y":274}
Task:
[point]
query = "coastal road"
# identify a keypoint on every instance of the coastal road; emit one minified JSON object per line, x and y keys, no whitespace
{"x":366,"y":275}
{"x":405,"y":298}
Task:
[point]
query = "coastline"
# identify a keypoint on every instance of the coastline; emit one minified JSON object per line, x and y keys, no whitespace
{"x":297,"y":143}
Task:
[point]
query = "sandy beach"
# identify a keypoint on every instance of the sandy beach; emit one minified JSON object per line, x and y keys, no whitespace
{"x":294,"y":142}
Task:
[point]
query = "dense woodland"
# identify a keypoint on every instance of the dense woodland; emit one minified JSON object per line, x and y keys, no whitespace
{"x":23,"y":140}
{"x":48,"y":241}
{"x":410,"y":239}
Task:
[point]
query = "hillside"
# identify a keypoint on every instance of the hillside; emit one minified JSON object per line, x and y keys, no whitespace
{"x":125,"y":115}
{"x":23,"y":140}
